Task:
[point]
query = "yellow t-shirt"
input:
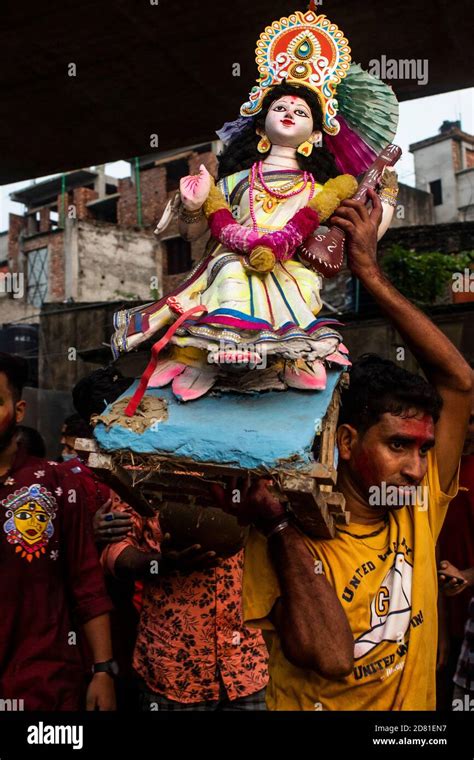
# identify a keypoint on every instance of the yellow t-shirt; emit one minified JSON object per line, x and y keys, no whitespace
{"x":387,"y":586}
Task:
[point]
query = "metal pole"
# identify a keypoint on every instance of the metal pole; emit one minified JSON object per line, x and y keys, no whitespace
{"x":62,"y":220}
{"x":139,"y":195}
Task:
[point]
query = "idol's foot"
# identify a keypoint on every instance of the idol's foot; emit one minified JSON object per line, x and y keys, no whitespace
{"x":339,"y":357}
{"x":166,"y":370}
{"x":307,"y":376}
{"x":194,"y":382}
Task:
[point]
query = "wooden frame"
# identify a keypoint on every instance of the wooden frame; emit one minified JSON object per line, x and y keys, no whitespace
{"x":146,"y":480}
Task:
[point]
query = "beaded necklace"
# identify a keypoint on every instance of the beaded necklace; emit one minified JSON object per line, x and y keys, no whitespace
{"x":275,"y":195}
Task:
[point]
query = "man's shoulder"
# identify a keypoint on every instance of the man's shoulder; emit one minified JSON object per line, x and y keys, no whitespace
{"x":43,"y":472}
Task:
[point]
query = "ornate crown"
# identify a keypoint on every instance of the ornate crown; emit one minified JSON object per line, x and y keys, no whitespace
{"x":304,"y":49}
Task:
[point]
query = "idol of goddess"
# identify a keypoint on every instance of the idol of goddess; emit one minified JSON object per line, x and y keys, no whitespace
{"x":288,"y":162}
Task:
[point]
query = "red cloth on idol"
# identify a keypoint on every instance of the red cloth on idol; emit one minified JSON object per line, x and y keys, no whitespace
{"x":45,"y":587}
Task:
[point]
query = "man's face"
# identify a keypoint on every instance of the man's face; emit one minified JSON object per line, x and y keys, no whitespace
{"x":11,"y":412}
{"x":393,"y":451}
{"x":67,"y":442}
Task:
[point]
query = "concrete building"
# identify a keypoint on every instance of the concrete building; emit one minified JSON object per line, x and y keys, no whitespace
{"x":444,"y":166}
{"x":414,"y":207}
{"x":85,"y":237}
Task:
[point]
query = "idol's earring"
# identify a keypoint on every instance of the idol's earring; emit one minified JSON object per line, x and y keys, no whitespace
{"x":264,"y":144}
{"x":305,"y":148}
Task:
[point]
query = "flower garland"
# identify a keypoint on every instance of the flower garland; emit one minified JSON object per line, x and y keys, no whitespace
{"x":265,"y":250}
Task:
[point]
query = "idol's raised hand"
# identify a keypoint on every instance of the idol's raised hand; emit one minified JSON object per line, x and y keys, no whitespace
{"x":194,"y":189}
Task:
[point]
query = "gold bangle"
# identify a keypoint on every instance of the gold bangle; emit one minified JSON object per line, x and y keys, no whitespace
{"x":190,"y":217}
{"x":389,"y":196}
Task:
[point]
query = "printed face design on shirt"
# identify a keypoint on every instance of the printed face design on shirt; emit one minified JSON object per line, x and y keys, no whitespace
{"x":31,"y":520}
{"x":30,"y":512}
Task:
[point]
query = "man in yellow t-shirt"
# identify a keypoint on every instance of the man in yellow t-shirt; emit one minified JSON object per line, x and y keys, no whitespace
{"x":399,"y":440}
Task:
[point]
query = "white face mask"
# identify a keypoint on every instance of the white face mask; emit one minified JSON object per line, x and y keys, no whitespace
{"x":68,"y":457}
{"x":289,"y":122}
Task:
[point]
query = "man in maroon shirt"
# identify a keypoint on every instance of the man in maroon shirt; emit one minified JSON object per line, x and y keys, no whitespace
{"x":456,"y":550}
{"x":50,"y":575}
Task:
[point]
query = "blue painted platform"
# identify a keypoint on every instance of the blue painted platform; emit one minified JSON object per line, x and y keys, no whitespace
{"x":245,"y":431}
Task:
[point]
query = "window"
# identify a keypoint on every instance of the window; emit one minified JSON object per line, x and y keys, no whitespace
{"x":436,"y":192}
{"x":37,"y":276}
{"x":178,"y":255}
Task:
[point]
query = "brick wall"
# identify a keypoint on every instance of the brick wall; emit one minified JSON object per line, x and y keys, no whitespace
{"x":82,"y":196}
{"x":16,"y":225}
{"x":153,"y":193}
{"x":456,"y":150}
{"x":44,"y":220}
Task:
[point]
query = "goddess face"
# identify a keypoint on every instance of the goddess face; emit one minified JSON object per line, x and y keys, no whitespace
{"x":31,"y":521}
{"x":289,"y":122}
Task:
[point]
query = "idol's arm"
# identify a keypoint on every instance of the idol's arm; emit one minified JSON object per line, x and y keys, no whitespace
{"x":388,"y":196}
{"x":193,"y":190}
{"x":313,"y":629}
{"x":441,"y":362}
{"x":191,"y":228}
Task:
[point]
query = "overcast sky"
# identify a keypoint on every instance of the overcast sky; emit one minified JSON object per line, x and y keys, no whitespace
{"x":419,"y":119}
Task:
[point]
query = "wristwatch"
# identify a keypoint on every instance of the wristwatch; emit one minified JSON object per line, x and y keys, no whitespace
{"x":109,"y":666}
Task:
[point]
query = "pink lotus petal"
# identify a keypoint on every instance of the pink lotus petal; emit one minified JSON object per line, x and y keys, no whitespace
{"x":312,"y":380}
{"x":194,"y":382}
{"x":166,"y":370}
{"x":337,"y":358}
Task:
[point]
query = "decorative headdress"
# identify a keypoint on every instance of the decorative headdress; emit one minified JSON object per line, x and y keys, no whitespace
{"x":360,"y":112}
{"x":303,"y":49}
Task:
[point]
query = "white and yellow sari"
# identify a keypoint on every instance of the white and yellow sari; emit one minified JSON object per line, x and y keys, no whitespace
{"x":275,"y":312}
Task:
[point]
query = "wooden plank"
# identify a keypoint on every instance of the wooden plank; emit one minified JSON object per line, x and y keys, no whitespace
{"x":308,"y":506}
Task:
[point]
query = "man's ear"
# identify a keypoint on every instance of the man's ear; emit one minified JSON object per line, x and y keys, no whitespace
{"x":20,"y":408}
{"x":347,"y":438}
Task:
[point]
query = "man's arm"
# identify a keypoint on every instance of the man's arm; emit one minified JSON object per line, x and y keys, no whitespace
{"x":133,"y":563}
{"x":84,"y":581}
{"x":309,"y":618}
{"x":100,"y":692}
{"x":453,"y":581}
{"x":441,"y":362}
